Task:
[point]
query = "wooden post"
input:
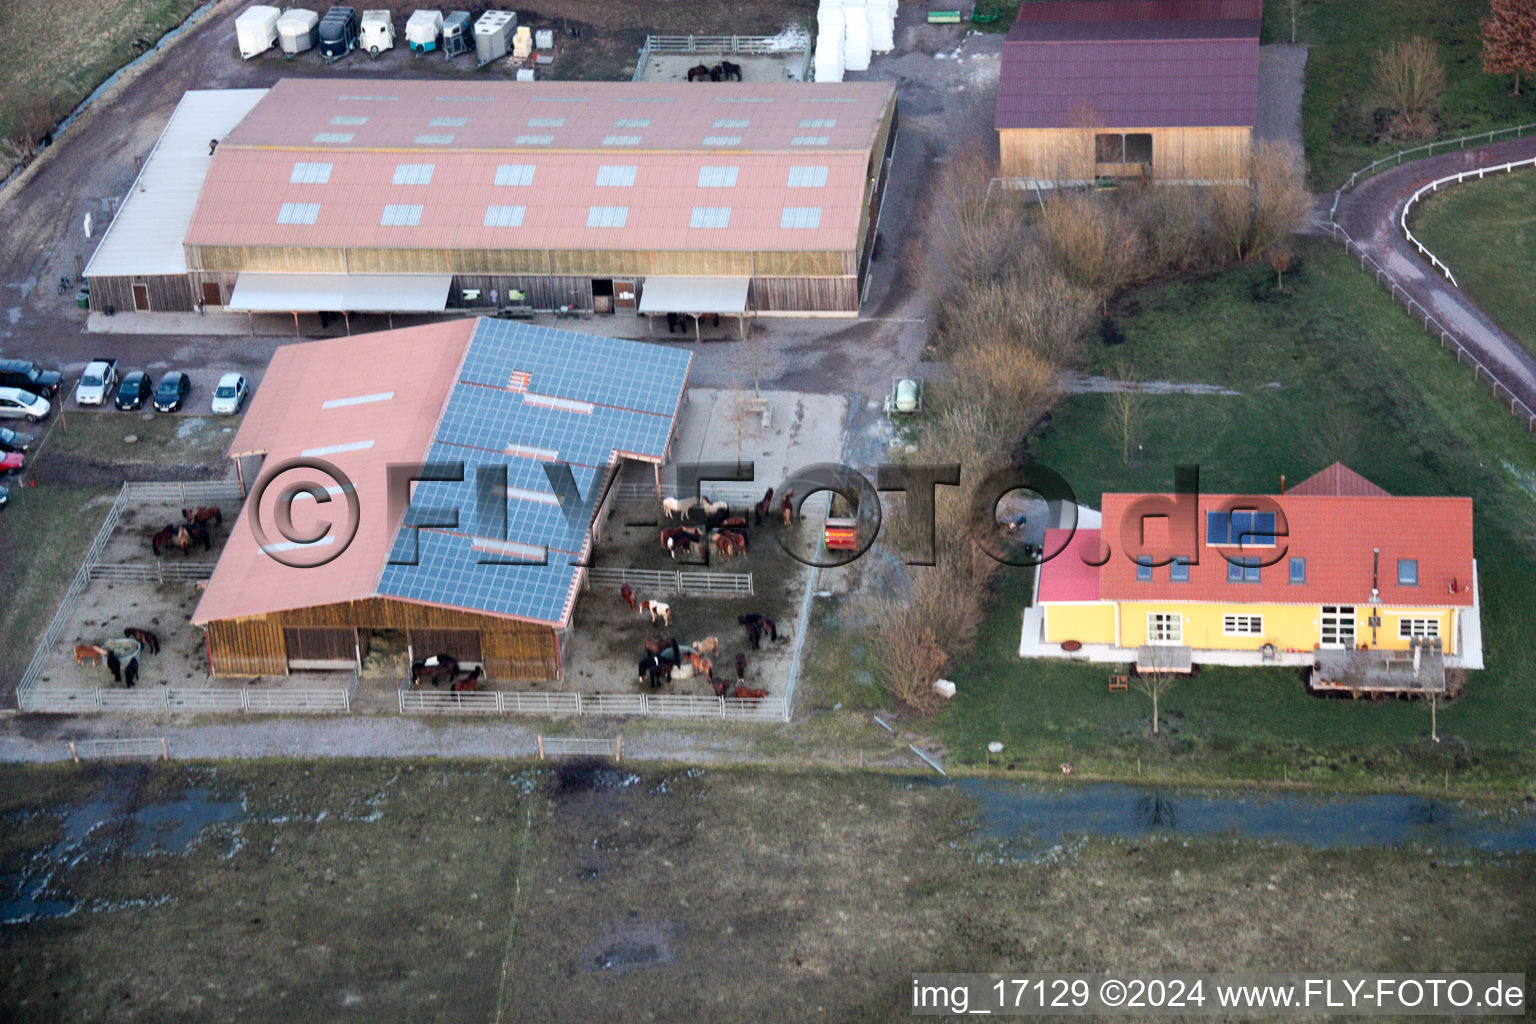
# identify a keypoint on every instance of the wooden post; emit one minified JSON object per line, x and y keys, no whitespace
{"x":74,"y":752}
{"x":618,"y":748}
{"x":165,"y":750}
{"x":541,"y":748}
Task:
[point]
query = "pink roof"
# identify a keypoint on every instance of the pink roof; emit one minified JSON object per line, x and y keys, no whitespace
{"x":1341,"y":481}
{"x":318,"y":397}
{"x":1071,"y":575}
{"x":564,"y":131}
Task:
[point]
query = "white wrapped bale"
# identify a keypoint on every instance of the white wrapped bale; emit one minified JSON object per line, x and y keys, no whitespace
{"x":855,"y":36}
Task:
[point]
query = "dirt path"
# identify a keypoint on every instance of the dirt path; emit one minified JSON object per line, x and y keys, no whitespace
{"x":1371,"y":216}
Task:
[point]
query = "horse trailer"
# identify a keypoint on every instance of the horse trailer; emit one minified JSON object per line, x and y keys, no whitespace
{"x":256,"y":30}
{"x":338,"y":33}
{"x":456,"y":34}
{"x":298,"y":30}
{"x":493,"y":35}
{"x":423,"y":31}
{"x":376,"y":32}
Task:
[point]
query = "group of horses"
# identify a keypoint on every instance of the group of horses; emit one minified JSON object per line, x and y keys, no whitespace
{"x":444,"y":668}
{"x":125,"y":673}
{"x":666,"y":660}
{"x":725,"y":71}
{"x":190,"y":532}
{"x":721,"y":531}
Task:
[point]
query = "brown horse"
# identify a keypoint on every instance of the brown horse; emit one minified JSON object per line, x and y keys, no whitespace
{"x":468,"y":683}
{"x":89,"y":653}
{"x":730,"y":544}
{"x":741,"y":667}
{"x":709,"y":645}
{"x":147,"y":640}
{"x":161,"y":539}
{"x":203,"y":514}
{"x":747,"y":693}
{"x":763,"y":509}
{"x":698,"y":73}
{"x":730,"y":72}
{"x":183,"y":539}
{"x":627,"y":594}
{"x":718,"y":685}
{"x":700,"y":663}
{"x":680,"y":538}
{"x":787,"y":508}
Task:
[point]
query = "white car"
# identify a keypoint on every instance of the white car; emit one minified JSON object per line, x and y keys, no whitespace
{"x":230,"y":394}
{"x":18,"y":404}
{"x":96,"y":382}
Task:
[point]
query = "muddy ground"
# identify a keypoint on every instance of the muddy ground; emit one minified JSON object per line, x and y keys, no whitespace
{"x":453,"y":891}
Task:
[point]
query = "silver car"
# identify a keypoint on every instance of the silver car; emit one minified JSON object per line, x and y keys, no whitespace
{"x":230,"y":394}
{"x":18,"y":404}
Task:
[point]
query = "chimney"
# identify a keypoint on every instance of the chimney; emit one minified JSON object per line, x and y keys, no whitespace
{"x":1282,"y":483}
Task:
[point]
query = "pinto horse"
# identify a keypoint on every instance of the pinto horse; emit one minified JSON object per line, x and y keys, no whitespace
{"x":653,"y":670}
{"x":680,"y":538}
{"x":657,"y":610}
{"x":435,"y":670}
{"x":203,"y":514}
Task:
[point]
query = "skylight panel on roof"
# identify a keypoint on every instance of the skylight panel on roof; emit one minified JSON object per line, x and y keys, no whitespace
{"x":448,"y":122}
{"x":364,"y":99}
{"x":743,"y":99}
{"x":644,"y":99}
{"x":563,"y":404}
{"x":559,"y":99}
{"x":810,"y":140}
{"x":310,"y":174}
{"x":829,"y":99}
{"x":535,"y":140}
{"x":434,"y":140}
{"x":607,"y":216}
{"x":298,"y":213}
{"x":632,"y":122}
{"x":546,"y":122}
{"x":334,"y":137}
{"x":504,"y":216}
{"x":800,"y":217}
{"x":710,"y":217}
{"x":730,"y":122}
{"x":615,"y":176}
{"x":336,"y":449}
{"x":621,"y":140}
{"x":341,"y":403}
{"x":718,"y":177}
{"x":722,"y":140}
{"x":401,"y":215}
{"x":818,"y":122}
{"x":807,"y":177}
{"x":413,"y":174}
{"x":514,"y":174}
{"x":464,"y":99}
{"x":350,"y":119}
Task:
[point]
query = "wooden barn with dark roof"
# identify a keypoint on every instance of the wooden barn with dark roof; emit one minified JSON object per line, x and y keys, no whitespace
{"x":1161,"y":89}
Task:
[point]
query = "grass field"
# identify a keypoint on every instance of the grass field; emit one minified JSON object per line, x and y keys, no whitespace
{"x":1331,"y":369}
{"x":444,"y":891}
{"x":64,"y":56}
{"x":1337,"y":123}
{"x":1485,"y":231}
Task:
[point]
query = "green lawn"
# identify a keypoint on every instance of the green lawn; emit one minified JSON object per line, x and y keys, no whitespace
{"x":1331,"y":369}
{"x":1344,"y":35}
{"x":1485,"y":231}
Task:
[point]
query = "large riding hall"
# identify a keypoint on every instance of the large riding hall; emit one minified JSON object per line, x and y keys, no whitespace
{"x":483,"y":561}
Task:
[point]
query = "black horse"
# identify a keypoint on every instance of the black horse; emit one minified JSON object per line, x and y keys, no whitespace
{"x":729,"y":72}
{"x":758,"y":624}
{"x":655,"y":670}
{"x":435,"y":670}
{"x":698,"y":73}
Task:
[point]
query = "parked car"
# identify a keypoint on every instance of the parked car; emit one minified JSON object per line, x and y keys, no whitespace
{"x":230,"y":394}
{"x":133,"y":389}
{"x":5,"y":496}
{"x":19,"y":373}
{"x":96,"y":382}
{"x":18,"y":404}
{"x":12,"y":462}
{"x":14,"y":440}
{"x":173,"y":388}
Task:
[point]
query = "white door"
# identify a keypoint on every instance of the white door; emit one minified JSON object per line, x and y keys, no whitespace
{"x":1165,"y":628}
{"x":1338,"y":625}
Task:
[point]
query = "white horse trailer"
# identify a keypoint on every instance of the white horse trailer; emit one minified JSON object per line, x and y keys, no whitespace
{"x":423,"y":30}
{"x":256,"y":30}
{"x":493,"y":35}
{"x":456,"y":34}
{"x":298,"y":30}
{"x":377,"y":32}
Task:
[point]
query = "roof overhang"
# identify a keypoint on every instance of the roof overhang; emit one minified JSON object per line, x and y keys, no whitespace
{"x":353,"y":293}
{"x":694,"y":295}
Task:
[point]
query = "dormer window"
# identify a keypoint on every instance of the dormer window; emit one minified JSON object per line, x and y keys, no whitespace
{"x":1407,"y":572}
{"x":1245,"y":528}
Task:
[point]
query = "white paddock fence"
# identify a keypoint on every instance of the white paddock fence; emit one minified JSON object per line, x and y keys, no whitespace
{"x":577,"y":746}
{"x":140,"y":746}
{"x":651,"y":581}
{"x":62,"y":701}
{"x":660,"y":705}
{"x":166,"y":571}
{"x":1428,"y":149}
{"x":739,"y":496}
{"x":1435,"y":186}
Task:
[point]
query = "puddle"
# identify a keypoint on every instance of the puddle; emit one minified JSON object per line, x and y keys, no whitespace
{"x":589,"y":775}
{"x":174,"y":826}
{"x":632,"y":945}
{"x":1037,"y":819}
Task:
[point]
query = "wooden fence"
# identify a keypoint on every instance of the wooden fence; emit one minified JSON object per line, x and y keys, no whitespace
{"x":652,"y":581}
{"x":663,"y":705}
{"x":554,"y":746}
{"x":145,"y":746}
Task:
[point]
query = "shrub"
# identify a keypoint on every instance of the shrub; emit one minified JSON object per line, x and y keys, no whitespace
{"x":1408,"y":79}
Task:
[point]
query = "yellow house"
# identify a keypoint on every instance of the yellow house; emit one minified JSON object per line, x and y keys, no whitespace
{"x":1336,"y":573}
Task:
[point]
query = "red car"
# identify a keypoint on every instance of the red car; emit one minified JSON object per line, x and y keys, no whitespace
{"x":11,"y":462}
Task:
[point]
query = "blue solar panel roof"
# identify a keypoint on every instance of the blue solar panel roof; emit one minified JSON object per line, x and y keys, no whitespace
{"x":527,"y":396}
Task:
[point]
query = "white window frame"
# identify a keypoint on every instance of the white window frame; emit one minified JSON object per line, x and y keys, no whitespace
{"x":1165,"y":628}
{"x":1411,"y":626}
{"x":1242,"y":625}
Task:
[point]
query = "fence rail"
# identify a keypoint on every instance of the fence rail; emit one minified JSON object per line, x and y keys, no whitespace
{"x":142,"y":746}
{"x":1434,"y":186}
{"x":1428,"y":149}
{"x":554,"y":746}
{"x":738,"y":496}
{"x":177,"y":490}
{"x":668,"y":582}
{"x":661,"y":705}
{"x":159,"y":572}
{"x":171,"y":698}
{"x":726,"y":44}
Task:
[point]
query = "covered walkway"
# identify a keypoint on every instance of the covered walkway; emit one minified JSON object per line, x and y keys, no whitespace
{"x":696,"y":297}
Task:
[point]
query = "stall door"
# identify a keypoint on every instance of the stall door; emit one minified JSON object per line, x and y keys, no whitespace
{"x":626,"y":298}
{"x":211,"y":294}
{"x":311,"y":648}
{"x":141,"y":297}
{"x":462,"y":644}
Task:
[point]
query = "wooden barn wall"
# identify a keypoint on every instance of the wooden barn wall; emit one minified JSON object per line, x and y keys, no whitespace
{"x":1187,"y":154}
{"x":168,"y":293}
{"x":224,"y":278}
{"x":805,"y":294}
{"x":542,"y":292}
{"x":255,"y":646}
{"x":802,"y":264}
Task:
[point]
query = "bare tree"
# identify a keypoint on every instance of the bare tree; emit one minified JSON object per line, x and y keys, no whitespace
{"x":1256,"y":216}
{"x":1281,"y":260}
{"x":1092,"y":240}
{"x":1156,"y":680}
{"x":1337,"y":437}
{"x":1408,"y":78}
{"x":1125,"y":404}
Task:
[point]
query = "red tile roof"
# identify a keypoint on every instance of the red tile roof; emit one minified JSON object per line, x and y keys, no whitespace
{"x":1131,"y":64}
{"x":1071,"y":575}
{"x":566,"y":132}
{"x":1341,"y":481}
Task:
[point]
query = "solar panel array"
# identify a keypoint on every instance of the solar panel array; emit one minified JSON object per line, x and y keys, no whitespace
{"x":586,"y":398}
